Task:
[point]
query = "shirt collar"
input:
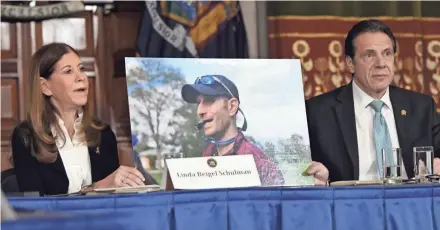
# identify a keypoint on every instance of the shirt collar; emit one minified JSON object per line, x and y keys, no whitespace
{"x":76,"y":124}
{"x":237,"y":143}
{"x":362,"y":99}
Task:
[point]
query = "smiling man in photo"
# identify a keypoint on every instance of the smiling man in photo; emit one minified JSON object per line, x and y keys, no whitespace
{"x":218,"y":102}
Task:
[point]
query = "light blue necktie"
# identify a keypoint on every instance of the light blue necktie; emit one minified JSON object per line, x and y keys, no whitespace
{"x":381,"y":135}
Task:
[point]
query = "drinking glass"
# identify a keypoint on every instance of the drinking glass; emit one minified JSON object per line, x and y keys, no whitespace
{"x":392,"y":165}
{"x":423,"y":157}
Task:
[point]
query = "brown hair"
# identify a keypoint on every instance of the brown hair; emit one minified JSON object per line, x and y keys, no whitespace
{"x":41,"y":113}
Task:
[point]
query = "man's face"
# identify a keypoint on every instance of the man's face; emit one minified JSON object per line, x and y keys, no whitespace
{"x":218,"y":112}
{"x":373,"y":64}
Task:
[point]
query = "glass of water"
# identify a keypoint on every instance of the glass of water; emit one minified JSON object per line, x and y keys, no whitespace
{"x":423,"y":157}
{"x":392,"y":165}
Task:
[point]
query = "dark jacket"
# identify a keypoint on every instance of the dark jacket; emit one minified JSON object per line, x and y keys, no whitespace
{"x":332,"y":129}
{"x":51,"y":178}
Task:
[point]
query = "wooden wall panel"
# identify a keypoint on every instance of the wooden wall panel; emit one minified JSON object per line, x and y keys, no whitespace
{"x":9,"y":68}
{"x":124,"y":42}
{"x":78,"y":28}
{"x":8,"y":40}
{"x":92,"y":92}
{"x":123,"y":28}
{"x":9,"y":111}
{"x":121,"y":112}
{"x":104,"y":66}
{"x":126,"y":25}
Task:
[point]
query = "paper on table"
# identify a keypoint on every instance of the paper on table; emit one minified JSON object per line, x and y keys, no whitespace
{"x":356,"y":182}
{"x":137,"y":189}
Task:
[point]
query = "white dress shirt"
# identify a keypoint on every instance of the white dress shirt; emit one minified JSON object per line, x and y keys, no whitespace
{"x":75,"y":155}
{"x":364,"y":115}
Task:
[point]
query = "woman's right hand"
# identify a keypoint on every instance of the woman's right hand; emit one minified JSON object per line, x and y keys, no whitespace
{"x":123,"y":177}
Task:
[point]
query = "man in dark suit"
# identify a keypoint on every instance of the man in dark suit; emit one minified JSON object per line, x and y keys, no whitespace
{"x":351,"y":125}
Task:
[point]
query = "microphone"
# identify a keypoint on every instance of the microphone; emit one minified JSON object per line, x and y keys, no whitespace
{"x":200,"y":125}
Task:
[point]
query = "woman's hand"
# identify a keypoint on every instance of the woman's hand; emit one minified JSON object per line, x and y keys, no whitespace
{"x":123,"y":177}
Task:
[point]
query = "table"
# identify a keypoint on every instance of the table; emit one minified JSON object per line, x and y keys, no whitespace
{"x":276,"y":208}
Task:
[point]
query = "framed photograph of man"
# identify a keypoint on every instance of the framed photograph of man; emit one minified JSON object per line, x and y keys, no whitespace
{"x":219,"y":107}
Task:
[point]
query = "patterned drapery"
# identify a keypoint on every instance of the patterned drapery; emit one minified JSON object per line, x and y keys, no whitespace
{"x":319,"y":42}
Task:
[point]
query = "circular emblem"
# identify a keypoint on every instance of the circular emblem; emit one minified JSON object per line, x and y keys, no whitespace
{"x":335,"y":48}
{"x":434,"y":48}
{"x":301,"y":48}
{"x":212,"y":163}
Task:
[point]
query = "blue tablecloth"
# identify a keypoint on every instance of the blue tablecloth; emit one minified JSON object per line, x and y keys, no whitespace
{"x":111,"y":220}
{"x":339,"y":208}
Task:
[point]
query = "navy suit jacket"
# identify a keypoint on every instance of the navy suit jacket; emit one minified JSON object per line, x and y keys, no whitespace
{"x":332,"y":129}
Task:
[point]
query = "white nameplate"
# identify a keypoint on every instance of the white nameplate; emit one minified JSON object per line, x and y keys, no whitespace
{"x":213,"y":172}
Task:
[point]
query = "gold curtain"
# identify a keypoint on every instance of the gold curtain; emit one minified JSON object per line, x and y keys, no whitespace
{"x":319,"y":42}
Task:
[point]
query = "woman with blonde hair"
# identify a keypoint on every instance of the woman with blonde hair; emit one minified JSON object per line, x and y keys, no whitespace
{"x":60,"y":148}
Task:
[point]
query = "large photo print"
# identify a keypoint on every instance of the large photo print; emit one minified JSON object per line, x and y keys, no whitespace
{"x":219,"y":107}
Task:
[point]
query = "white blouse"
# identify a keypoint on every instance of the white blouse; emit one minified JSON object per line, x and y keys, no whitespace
{"x":75,"y":155}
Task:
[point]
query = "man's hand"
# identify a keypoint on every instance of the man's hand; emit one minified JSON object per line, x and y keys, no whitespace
{"x":437,"y":166}
{"x":319,"y":171}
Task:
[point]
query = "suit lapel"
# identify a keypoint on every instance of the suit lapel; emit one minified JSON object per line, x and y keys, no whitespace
{"x":402,"y":116}
{"x":347,"y":122}
{"x":94,"y":154}
{"x":58,"y":165}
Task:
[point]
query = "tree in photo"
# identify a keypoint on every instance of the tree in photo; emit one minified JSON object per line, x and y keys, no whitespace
{"x":154,"y":92}
{"x":186,"y":136}
{"x":292,"y":147}
{"x":270,"y":149}
{"x":292,"y":156}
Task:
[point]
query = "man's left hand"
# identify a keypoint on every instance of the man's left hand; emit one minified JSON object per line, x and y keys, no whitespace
{"x":437,"y":166}
{"x":319,"y":171}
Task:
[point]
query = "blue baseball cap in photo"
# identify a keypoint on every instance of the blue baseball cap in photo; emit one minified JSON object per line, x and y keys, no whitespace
{"x":210,"y":85}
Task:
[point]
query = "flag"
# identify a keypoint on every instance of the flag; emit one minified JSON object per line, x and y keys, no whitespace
{"x":186,"y":29}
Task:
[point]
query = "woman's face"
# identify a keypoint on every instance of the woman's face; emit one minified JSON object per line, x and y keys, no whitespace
{"x":68,"y":85}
